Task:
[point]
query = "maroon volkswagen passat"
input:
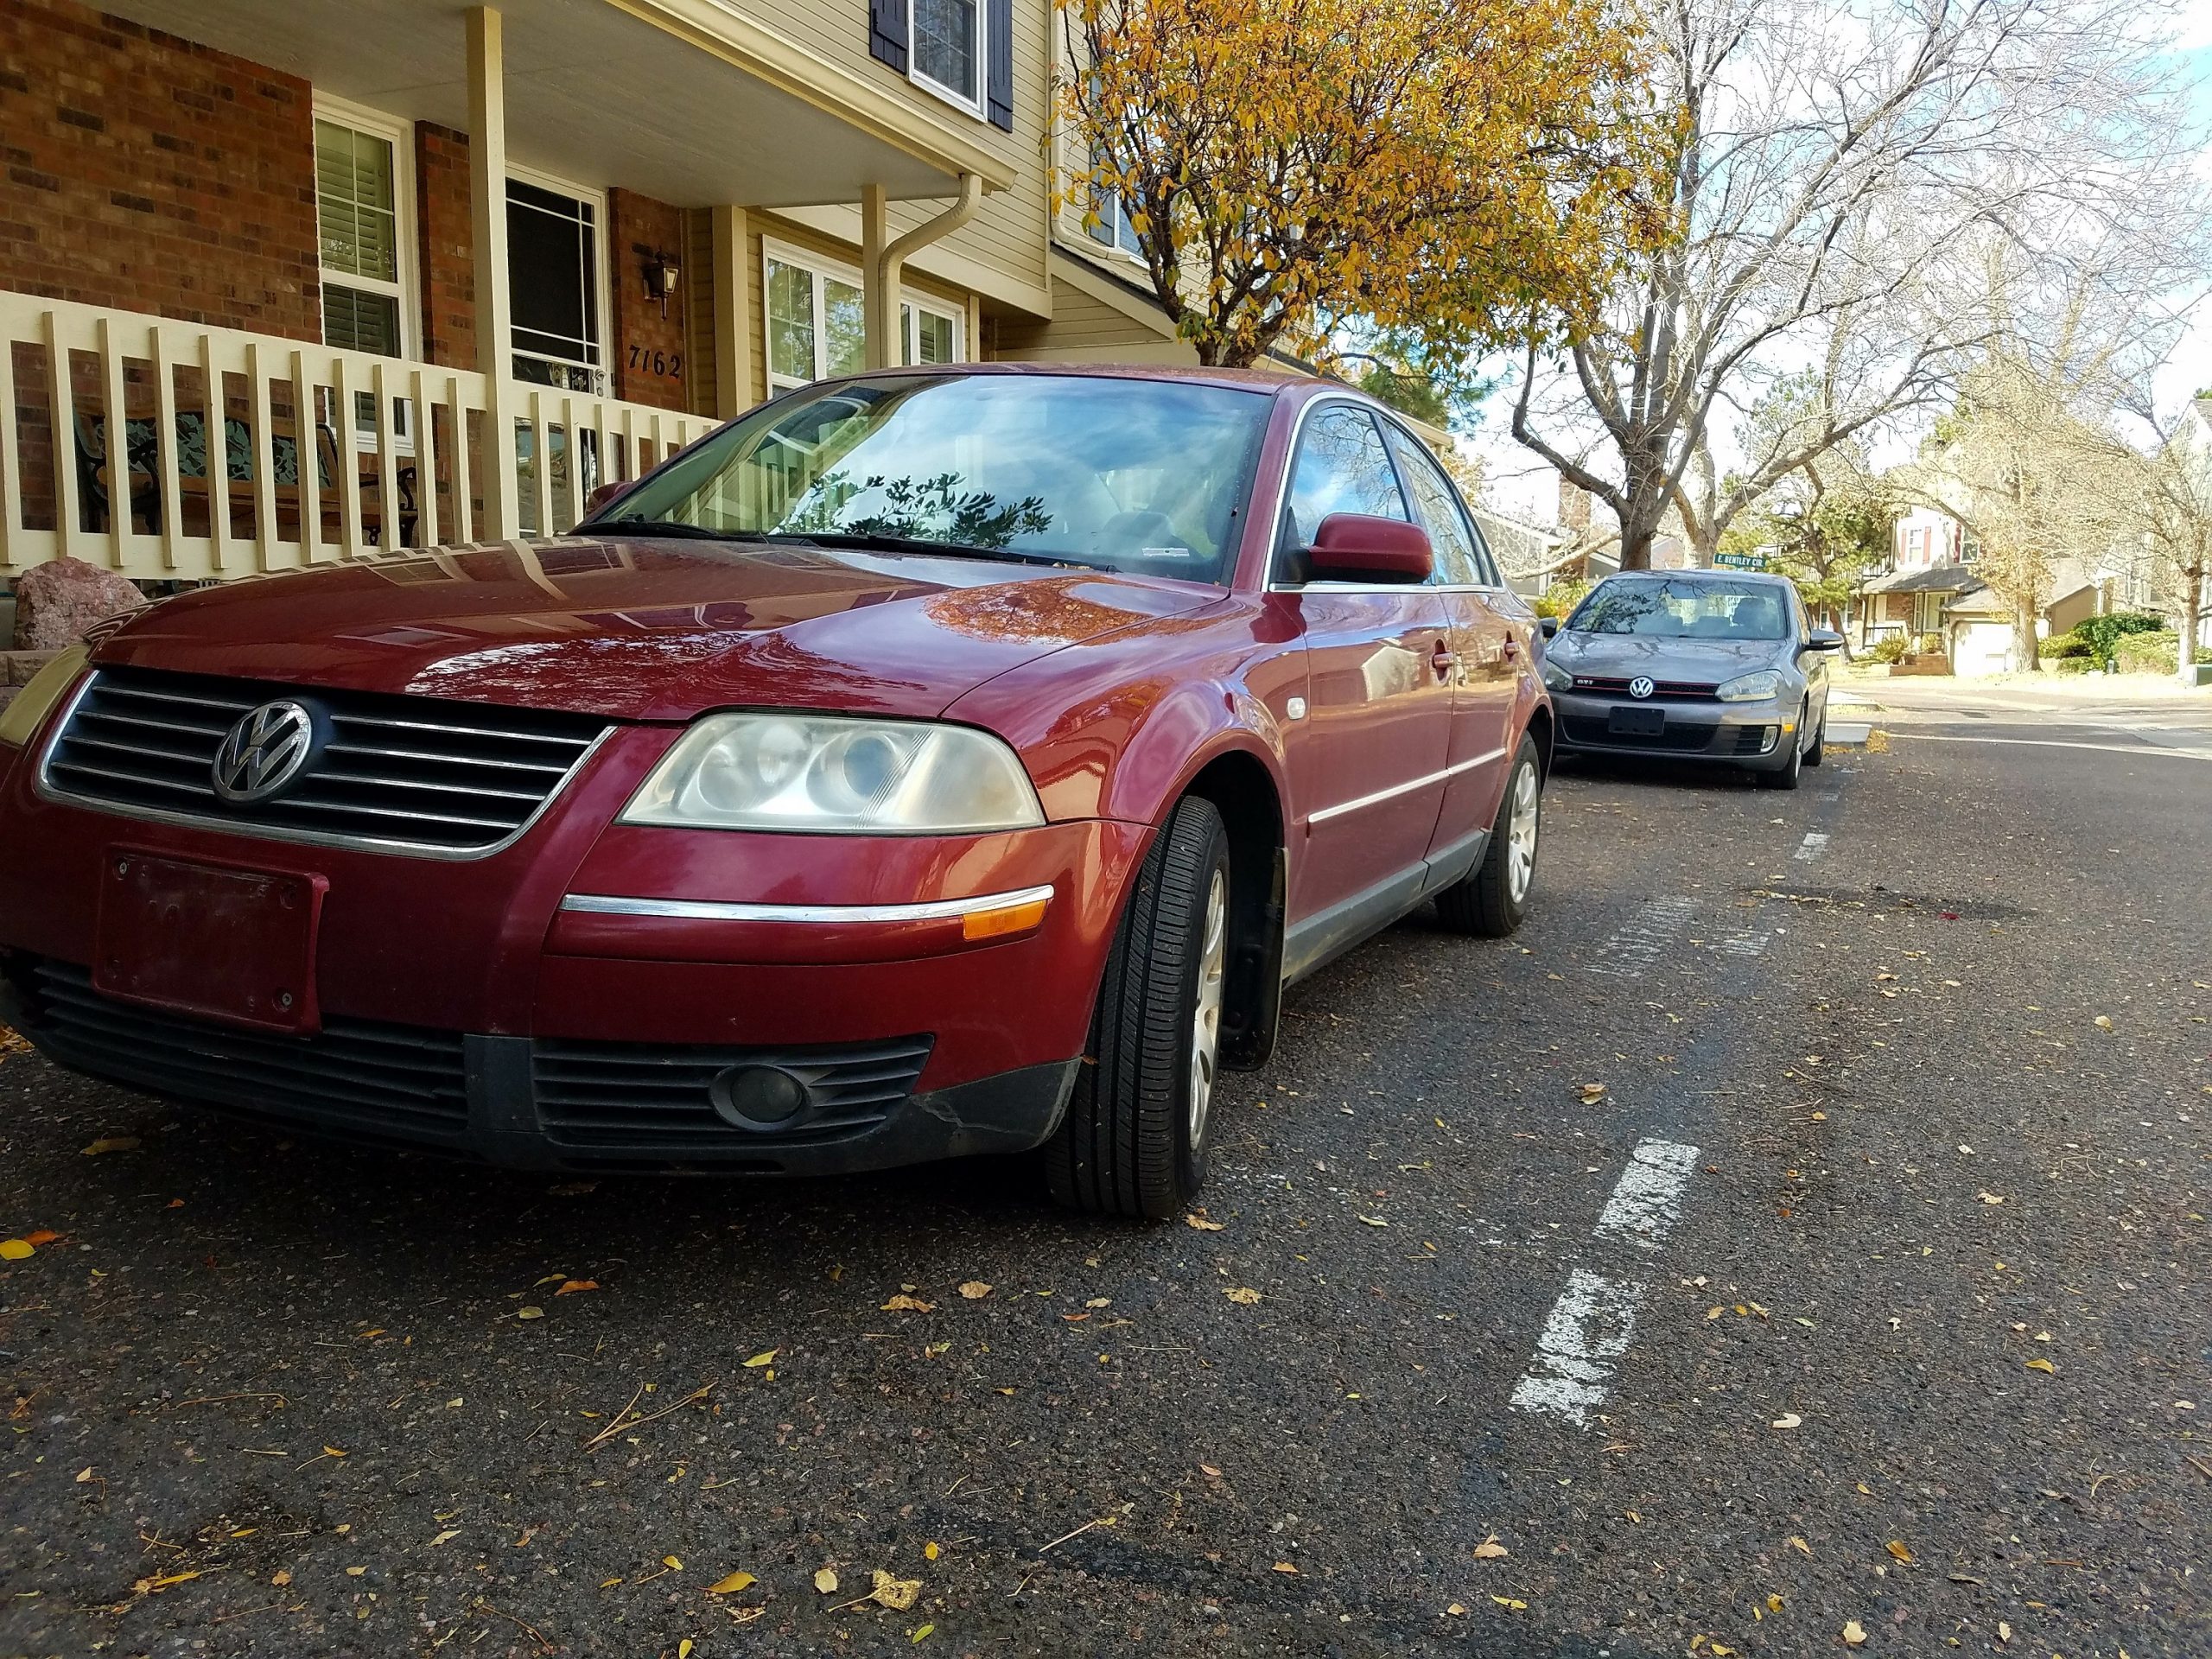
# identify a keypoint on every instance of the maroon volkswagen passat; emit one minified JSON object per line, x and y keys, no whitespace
{"x":928,"y":763}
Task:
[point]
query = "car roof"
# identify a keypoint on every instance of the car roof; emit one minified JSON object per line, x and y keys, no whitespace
{"x":1272,"y":380}
{"x":1702,"y":575}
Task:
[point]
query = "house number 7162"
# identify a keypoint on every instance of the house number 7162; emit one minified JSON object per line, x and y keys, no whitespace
{"x":668,"y":363}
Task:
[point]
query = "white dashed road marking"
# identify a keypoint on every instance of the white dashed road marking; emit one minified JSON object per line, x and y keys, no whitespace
{"x":1590,"y":1326}
{"x":1637,"y":945}
{"x":1646,"y":1200}
{"x":1745,"y":944}
{"x":1815,"y":844}
{"x":1581,"y":1346}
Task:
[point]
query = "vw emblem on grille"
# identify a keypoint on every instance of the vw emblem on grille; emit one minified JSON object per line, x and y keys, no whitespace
{"x":264,"y":752}
{"x":1641,"y":686}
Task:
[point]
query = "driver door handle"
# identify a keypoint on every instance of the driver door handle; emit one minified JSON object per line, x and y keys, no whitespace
{"x":1443,"y":660}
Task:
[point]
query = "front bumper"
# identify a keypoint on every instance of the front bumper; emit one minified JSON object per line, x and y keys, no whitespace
{"x":533,"y":1103}
{"x":1743,"y":734}
{"x":462,"y":1010}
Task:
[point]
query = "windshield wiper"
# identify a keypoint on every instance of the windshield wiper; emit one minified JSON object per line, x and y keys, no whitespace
{"x":923,"y":544}
{"x":669,"y":527}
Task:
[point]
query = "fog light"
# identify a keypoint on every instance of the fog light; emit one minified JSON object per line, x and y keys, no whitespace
{"x":751,"y":1096}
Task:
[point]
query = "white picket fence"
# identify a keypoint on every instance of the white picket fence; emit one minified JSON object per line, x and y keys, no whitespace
{"x":397,"y":454}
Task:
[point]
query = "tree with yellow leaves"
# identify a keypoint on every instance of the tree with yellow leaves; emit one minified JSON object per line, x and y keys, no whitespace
{"x":1442,"y":167}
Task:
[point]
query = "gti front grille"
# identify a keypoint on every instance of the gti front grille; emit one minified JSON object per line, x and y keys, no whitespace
{"x":1679,"y":691}
{"x":353,"y":1076}
{"x":637,"y":1096}
{"x":409,"y":774}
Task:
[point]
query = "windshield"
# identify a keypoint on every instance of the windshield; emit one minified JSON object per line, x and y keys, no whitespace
{"x":1125,"y":475}
{"x":1659,"y":608}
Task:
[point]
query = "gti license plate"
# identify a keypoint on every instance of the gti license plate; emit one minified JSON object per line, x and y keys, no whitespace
{"x":227,"y":943}
{"x":1637,"y":722}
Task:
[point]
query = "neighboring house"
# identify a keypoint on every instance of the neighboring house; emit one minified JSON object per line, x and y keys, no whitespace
{"x":408,"y":274}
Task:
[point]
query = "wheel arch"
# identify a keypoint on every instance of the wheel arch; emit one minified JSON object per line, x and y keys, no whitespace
{"x":1242,"y":788}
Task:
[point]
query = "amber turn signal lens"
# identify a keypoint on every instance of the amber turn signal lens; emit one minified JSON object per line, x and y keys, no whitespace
{"x":996,"y":924}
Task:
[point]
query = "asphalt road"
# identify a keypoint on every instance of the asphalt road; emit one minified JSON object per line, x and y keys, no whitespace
{"x":1870,"y":1294}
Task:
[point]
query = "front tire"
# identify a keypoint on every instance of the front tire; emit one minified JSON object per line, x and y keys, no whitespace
{"x":1136,"y":1136}
{"x":1490,"y":899}
{"x":1818,"y":752}
{"x":1787,"y":775}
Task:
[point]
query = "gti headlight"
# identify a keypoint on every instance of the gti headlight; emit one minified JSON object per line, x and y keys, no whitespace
{"x":1749,"y":688}
{"x":1557,"y":678}
{"x":20,"y":720}
{"x":827,"y":775}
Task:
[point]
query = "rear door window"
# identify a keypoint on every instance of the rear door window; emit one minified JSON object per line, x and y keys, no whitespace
{"x":1437,"y":510}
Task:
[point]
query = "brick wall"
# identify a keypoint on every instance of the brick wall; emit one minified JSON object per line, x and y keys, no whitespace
{"x":646,"y":349}
{"x":446,"y":239}
{"x":148,"y":173}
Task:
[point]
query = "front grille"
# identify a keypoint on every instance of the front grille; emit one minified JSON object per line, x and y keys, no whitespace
{"x":354,"y":1076}
{"x":411,"y":773}
{"x":1687,"y":736}
{"x":638,"y":1097}
{"x":1679,"y":691}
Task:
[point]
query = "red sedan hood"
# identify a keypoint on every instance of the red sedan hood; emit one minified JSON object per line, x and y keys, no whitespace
{"x":647,"y":629}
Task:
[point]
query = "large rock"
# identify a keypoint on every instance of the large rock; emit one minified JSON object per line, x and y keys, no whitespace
{"x":57,"y":601}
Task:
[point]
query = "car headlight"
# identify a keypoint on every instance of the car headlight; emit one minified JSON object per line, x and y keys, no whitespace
{"x":20,"y":720}
{"x":1749,"y":688}
{"x":1556,"y":677}
{"x":830,"y":775}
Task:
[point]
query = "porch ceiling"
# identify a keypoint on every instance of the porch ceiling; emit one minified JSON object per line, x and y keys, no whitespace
{"x":684,"y":100}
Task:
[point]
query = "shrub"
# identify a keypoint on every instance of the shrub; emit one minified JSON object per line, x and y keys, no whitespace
{"x":2062,"y":644}
{"x":2073,"y":666}
{"x":1560,"y":598}
{"x":1929,"y":644}
{"x":2103,"y":633}
{"x":2148,"y":653}
{"x":1890,"y":648}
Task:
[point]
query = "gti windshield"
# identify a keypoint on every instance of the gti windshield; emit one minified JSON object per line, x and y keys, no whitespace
{"x":1660,"y":608}
{"x":1147,"y":476}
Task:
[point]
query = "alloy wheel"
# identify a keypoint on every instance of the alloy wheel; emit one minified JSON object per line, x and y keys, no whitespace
{"x":1205,"y":1023}
{"x":1521,"y":834}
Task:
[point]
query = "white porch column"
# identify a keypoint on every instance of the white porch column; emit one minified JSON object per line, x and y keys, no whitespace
{"x":488,"y":190}
{"x":879,"y":286}
{"x":734,"y":388}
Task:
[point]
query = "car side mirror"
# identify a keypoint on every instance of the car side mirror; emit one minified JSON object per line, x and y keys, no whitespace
{"x":1823,"y":640}
{"x":1362,"y":547}
{"x":606,"y":495}
{"x":1549,"y":626}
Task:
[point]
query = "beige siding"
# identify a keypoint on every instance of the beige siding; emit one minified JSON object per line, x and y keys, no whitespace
{"x":1008,"y":233}
{"x":1084,"y":328}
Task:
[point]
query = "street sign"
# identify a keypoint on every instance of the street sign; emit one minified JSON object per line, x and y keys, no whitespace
{"x":1741,"y":561}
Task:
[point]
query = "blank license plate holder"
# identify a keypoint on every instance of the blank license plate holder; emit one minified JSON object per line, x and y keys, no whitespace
{"x":220,"y":941}
{"x":1637,"y":722}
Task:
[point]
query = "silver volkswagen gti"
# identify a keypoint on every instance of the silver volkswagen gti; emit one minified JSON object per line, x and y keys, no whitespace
{"x":1711,"y":665}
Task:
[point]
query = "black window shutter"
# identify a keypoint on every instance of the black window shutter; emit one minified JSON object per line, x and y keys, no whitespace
{"x":999,"y":82}
{"x":886,"y":33}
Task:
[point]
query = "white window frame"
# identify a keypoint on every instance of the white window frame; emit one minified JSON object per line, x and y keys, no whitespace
{"x":978,"y":105}
{"x":400,"y":133}
{"x":596,"y":200}
{"x":818,"y":266}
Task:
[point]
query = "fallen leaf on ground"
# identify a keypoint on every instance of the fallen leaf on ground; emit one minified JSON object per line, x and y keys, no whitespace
{"x":1456,"y":1611}
{"x":112,"y":1143}
{"x":731,"y":1584}
{"x":974,"y":1290}
{"x":2044,"y":1366}
{"x":930,"y":1551}
{"x":922,"y":1634}
{"x":1100,"y":1302}
{"x":1374,"y":1221}
{"x":532,"y":1312}
{"x":280,"y":1577}
{"x":1800,"y":1545}
{"x":15,"y":1249}
{"x":1285,"y":1567}
{"x":1988,"y":1196}
{"x":1514,"y":1603}
{"x":2004,"y":1631}
{"x":1896,"y":1548}
{"x":445,"y":1537}
{"x":1592,"y":1091}
{"x":759,"y":1360}
{"x":1854,"y":1633}
{"x":683,"y":1649}
{"x":1787,"y":1419}
{"x":573,"y":1286}
{"x":1203,"y":1225}
{"x":43,"y":1235}
{"x":897,"y":1594}
{"x":671,"y":1563}
{"x":826,"y":1581}
{"x":1489,"y":1549}
{"x":905,"y":1303}
{"x":1243,"y":1296}
{"x":2104,"y":1022}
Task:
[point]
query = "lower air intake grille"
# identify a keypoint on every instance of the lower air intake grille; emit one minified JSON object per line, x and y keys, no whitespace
{"x":638,"y":1098}
{"x":353,"y":1076}
{"x":411,"y":773}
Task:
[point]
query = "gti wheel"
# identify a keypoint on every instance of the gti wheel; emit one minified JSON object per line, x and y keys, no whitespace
{"x":1490,"y":899}
{"x":1815,"y":754}
{"x":1134,"y":1141}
